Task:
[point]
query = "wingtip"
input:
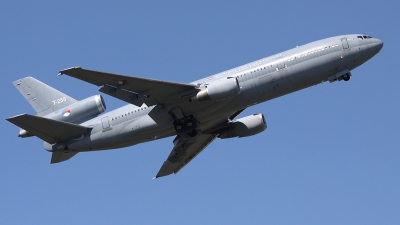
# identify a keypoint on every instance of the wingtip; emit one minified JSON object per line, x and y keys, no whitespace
{"x":61,"y":72}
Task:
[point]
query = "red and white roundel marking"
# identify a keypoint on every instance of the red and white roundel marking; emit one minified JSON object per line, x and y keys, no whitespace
{"x":66,"y":112}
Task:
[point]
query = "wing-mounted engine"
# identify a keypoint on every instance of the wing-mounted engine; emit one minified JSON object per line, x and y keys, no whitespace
{"x":244,"y":127}
{"x":80,"y":111}
{"x":218,"y":90}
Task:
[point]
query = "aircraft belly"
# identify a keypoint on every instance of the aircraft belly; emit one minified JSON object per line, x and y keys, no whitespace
{"x":96,"y":141}
{"x":126,"y":134}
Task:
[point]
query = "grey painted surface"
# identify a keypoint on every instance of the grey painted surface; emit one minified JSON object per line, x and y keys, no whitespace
{"x":259,"y":81}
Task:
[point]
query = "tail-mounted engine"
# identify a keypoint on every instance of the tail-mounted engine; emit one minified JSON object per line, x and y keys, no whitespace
{"x":81,"y":111}
{"x":218,"y":90}
{"x":77,"y":112}
{"x":244,"y":127}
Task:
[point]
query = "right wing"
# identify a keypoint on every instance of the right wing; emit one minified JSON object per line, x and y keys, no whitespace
{"x":134,"y":90}
{"x":183,"y":152}
{"x":51,"y":131}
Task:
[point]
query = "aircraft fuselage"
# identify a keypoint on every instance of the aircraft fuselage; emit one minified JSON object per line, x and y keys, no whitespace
{"x":329,"y":59}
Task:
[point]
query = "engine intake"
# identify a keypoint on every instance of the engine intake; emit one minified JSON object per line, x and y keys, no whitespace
{"x":218,"y":90}
{"x":244,"y":127}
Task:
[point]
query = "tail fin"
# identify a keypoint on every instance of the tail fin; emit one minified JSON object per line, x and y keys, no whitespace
{"x":43,"y":98}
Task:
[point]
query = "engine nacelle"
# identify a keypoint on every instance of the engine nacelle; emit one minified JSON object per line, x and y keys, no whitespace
{"x":244,"y":127}
{"x":81,"y":111}
{"x":219,"y":90}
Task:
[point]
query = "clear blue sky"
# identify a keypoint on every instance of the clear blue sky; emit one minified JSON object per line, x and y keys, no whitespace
{"x":330,"y":154}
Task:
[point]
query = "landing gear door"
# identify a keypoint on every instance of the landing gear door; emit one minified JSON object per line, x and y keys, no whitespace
{"x":105,"y":123}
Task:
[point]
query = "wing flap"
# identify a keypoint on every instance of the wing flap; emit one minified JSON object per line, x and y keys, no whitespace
{"x":183,"y":152}
{"x":51,"y":131}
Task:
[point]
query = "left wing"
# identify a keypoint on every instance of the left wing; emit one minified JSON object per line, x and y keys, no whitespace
{"x":134,"y":90}
{"x":183,"y":152}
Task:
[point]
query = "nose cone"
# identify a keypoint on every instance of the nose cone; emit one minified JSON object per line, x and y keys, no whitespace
{"x":373,"y":47}
{"x":378,"y":44}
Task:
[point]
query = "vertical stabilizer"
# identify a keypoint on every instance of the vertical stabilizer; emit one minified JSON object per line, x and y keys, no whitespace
{"x":43,"y":98}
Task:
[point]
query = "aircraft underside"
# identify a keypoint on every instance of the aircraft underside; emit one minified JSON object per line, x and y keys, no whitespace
{"x":196,"y":113}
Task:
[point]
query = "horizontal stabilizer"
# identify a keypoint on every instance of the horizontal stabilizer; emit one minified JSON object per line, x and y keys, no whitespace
{"x":57,"y":157}
{"x":51,"y":131}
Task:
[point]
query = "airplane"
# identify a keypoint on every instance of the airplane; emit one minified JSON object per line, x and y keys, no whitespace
{"x":196,"y":113}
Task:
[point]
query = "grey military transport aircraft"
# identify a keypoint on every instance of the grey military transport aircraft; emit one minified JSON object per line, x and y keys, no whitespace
{"x":197,"y":113}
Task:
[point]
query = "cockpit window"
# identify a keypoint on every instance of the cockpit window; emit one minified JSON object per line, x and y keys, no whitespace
{"x":363,"y":37}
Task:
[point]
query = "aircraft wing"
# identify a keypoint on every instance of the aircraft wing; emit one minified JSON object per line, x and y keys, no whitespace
{"x":134,"y":90}
{"x":183,"y":152}
{"x":57,"y":157}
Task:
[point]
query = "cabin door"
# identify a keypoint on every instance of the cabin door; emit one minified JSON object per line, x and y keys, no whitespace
{"x":345,"y":44}
{"x":105,"y":122}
